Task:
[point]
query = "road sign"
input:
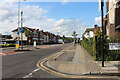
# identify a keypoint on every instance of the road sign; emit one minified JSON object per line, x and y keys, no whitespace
{"x":18,"y":33}
{"x":114,"y":46}
{"x":20,"y":30}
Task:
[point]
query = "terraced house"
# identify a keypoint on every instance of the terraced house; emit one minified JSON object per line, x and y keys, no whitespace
{"x":30,"y":35}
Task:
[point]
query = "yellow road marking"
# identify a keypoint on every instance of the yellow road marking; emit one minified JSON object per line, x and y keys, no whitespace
{"x":44,"y":68}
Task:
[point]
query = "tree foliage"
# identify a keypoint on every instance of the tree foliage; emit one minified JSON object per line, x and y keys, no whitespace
{"x":74,"y":34}
{"x":27,"y":33}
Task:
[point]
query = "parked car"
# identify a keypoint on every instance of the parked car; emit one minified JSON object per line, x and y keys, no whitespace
{"x":5,"y":44}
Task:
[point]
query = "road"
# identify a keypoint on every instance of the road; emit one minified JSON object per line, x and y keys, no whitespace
{"x":20,"y":65}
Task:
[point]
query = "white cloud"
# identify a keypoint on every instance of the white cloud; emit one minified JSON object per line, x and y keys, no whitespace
{"x":66,"y":27}
{"x":98,"y":20}
{"x":64,"y":2}
{"x":50,"y":20}
{"x":33,"y":17}
{"x":9,"y":15}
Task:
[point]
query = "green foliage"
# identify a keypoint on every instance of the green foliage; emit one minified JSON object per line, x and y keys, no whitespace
{"x":101,"y":46}
{"x":98,"y":45}
{"x":74,"y":34}
{"x":27,"y":33}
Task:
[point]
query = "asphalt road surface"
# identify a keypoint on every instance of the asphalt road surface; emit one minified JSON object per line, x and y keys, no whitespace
{"x":19,"y":65}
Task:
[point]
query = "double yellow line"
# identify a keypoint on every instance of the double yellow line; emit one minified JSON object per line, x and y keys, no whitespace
{"x":40,"y":65}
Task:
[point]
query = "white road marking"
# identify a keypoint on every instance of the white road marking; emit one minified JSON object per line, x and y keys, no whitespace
{"x":30,"y":74}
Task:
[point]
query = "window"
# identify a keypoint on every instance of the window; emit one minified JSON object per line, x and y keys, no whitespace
{"x":87,"y":32}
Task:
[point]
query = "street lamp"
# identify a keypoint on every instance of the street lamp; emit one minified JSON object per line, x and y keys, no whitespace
{"x":18,"y":20}
{"x":103,"y":30}
{"x":19,"y":23}
{"x":21,"y":32}
{"x":74,"y":32}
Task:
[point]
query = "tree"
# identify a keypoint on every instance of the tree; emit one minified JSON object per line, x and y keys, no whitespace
{"x":27,"y":33}
{"x":74,"y":34}
{"x":64,"y":38}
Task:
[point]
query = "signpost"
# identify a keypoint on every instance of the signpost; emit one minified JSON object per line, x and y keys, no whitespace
{"x":114,"y":46}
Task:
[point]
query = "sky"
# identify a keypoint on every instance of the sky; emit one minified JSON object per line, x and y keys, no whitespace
{"x":57,"y":17}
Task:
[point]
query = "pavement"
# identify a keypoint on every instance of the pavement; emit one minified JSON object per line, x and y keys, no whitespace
{"x":77,"y":61}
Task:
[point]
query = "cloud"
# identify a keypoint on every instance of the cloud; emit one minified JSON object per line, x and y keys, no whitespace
{"x":7,"y":11}
{"x":64,"y":2}
{"x":98,"y":20}
{"x":33,"y":16}
{"x":67,"y":26}
{"x":9,"y":15}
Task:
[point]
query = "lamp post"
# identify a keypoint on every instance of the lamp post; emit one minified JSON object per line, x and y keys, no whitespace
{"x":18,"y":20}
{"x":19,"y":23}
{"x":18,"y":12}
{"x":21,"y":32}
{"x":103,"y":31}
{"x":74,"y":35}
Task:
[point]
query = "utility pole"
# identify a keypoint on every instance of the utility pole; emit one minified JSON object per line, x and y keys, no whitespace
{"x":103,"y":31}
{"x":21,"y":32}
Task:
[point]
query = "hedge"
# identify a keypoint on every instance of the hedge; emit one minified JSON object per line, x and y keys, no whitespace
{"x":95,"y":46}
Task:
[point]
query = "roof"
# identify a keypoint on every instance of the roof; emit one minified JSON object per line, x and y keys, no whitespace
{"x":92,"y":29}
{"x":48,"y":33}
{"x":57,"y":35}
{"x":31,"y":29}
{"x":88,"y":29}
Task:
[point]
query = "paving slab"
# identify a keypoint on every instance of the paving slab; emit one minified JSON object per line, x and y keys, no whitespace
{"x":81,"y":63}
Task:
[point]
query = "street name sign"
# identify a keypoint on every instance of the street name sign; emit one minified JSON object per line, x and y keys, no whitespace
{"x":114,"y":46}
